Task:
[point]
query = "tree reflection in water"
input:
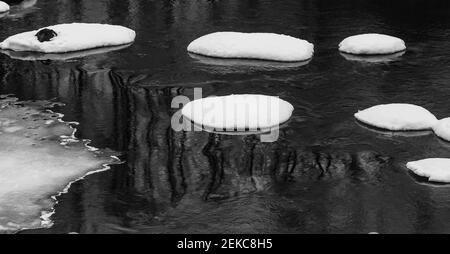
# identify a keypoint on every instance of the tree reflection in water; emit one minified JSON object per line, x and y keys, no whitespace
{"x":164,"y":170}
{"x":325,"y":173}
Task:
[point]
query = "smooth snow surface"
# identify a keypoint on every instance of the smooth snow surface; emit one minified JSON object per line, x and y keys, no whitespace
{"x":397,"y":117}
{"x":372,"y":44}
{"x":435,"y":169}
{"x":238,"y":112}
{"x":263,"y":46}
{"x":71,"y":37}
{"x":4,"y":7}
{"x":442,"y":128}
{"x":39,"y":159}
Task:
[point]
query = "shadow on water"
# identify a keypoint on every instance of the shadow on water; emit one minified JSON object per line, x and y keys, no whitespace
{"x":374,"y":58}
{"x":35,"y":56}
{"x":325,"y":174}
{"x":246,"y":65}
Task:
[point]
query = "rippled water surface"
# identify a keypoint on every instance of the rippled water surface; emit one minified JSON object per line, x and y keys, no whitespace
{"x":325,"y":174}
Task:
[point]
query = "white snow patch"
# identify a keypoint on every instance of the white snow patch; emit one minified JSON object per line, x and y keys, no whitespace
{"x":263,"y":46}
{"x":71,"y":37}
{"x":40,"y":158}
{"x":397,"y":117}
{"x":4,"y":7}
{"x":442,"y":128}
{"x":238,"y":112}
{"x":372,"y":44}
{"x":435,"y":169}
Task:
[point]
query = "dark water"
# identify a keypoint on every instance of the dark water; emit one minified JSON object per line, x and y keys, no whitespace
{"x":326,"y":173}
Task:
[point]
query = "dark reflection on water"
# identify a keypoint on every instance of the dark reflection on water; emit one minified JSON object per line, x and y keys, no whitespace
{"x":326,"y":173}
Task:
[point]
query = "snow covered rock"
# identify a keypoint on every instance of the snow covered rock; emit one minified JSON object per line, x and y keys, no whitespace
{"x":397,"y":117}
{"x":442,"y":128}
{"x":241,"y":112}
{"x":435,"y":169}
{"x":39,"y":158}
{"x":4,"y":7}
{"x":264,"y":46}
{"x":71,"y":37}
{"x":372,"y":44}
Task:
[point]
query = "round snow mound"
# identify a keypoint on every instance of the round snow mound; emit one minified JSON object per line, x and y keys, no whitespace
{"x":71,"y":37}
{"x":263,"y":46}
{"x":397,"y":117}
{"x":372,"y":44}
{"x":4,"y":7}
{"x":442,"y":128}
{"x":435,"y":169}
{"x":241,"y":112}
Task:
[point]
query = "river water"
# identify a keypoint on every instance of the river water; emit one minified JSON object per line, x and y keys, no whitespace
{"x":325,"y":174}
